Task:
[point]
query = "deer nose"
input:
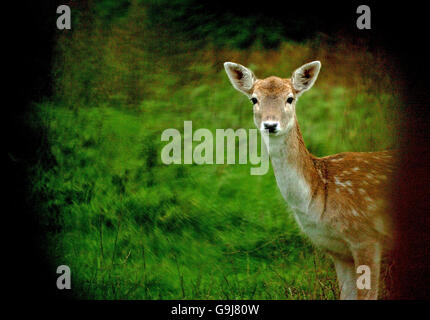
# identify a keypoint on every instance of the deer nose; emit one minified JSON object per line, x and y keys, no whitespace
{"x":271,"y":126}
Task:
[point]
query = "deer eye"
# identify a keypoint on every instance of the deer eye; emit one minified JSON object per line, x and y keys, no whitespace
{"x":290,"y":100}
{"x":254,"y":100}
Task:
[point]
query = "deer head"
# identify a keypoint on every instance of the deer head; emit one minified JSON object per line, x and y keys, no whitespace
{"x":274,"y":98}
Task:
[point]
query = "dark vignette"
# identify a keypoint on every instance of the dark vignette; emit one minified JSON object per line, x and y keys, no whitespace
{"x":400,"y":31}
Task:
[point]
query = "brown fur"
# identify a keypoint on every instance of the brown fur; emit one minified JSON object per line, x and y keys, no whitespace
{"x":273,"y":86}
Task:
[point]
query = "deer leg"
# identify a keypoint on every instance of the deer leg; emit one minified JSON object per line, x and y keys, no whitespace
{"x":345,"y":277}
{"x":368,"y":255}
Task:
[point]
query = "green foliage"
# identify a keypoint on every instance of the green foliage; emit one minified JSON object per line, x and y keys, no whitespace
{"x":132,"y":227}
{"x":236,"y":24}
{"x":212,"y":23}
{"x":110,"y":10}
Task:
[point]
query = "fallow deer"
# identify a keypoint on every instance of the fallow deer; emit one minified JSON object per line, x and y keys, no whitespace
{"x":342,"y":201}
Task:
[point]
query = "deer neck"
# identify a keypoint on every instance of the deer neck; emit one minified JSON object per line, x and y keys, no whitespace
{"x":294,"y":168}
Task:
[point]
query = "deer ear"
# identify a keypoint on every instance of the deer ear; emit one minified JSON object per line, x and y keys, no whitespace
{"x":240,"y":77}
{"x":304,"y":77}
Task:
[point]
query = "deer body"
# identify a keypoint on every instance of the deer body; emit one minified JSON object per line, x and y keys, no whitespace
{"x":341,"y":201}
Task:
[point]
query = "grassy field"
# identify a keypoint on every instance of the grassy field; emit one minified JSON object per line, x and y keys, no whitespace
{"x":131,"y":227}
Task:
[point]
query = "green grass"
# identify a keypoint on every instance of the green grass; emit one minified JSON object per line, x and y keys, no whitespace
{"x":131,"y":227}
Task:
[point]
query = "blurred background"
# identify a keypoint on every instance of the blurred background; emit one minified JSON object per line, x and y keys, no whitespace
{"x":131,"y":227}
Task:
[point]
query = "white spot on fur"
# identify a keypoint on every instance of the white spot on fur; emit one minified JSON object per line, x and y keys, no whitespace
{"x":342,"y":184}
{"x":356,"y":169}
{"x":321,"y":176}
{"x":362,"y":191}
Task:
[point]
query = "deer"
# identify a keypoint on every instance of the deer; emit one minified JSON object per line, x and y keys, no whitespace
{"x":341,"y":201}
